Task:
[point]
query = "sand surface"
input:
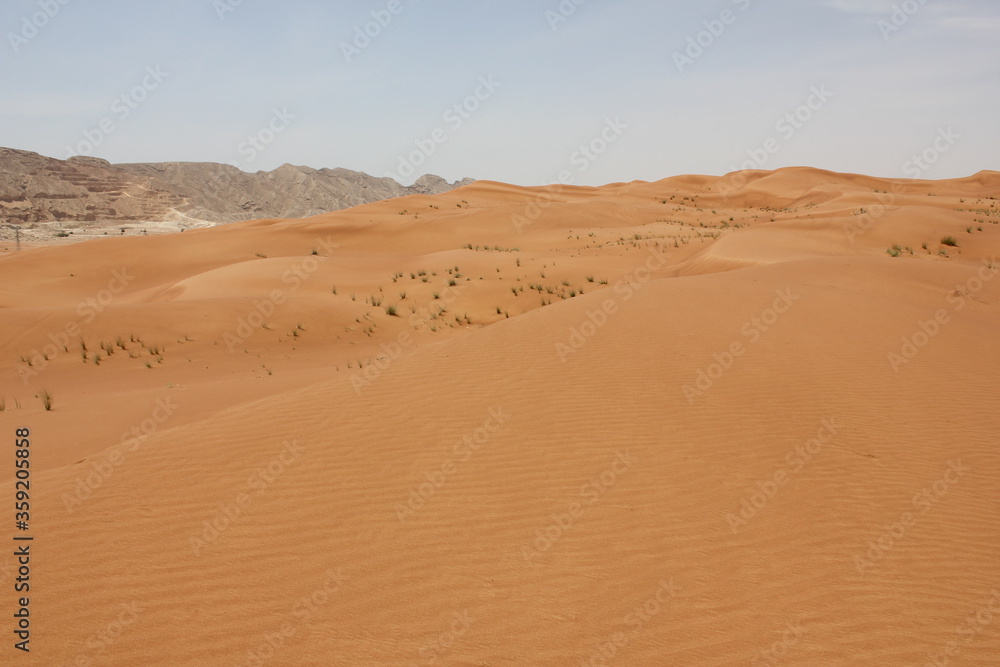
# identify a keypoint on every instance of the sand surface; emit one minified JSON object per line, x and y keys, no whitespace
{"x":701,"y":421}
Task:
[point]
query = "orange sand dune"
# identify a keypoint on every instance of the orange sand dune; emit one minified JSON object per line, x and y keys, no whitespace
{"x":673,"y":423}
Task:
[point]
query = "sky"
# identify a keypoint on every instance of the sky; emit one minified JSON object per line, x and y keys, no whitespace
{"x":528,"y":92}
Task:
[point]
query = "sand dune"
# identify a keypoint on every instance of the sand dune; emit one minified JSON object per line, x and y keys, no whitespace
{"x":673,"y":423}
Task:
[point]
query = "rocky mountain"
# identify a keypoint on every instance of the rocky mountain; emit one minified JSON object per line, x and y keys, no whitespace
{"x":35,"y":188}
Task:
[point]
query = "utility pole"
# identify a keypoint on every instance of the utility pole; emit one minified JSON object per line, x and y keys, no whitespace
{"x":17,"y":235}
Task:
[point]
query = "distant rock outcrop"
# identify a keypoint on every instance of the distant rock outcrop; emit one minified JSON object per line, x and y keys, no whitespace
{"x":35,"y":188}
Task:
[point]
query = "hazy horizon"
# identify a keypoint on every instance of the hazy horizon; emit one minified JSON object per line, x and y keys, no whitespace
{"x":570,"y":91}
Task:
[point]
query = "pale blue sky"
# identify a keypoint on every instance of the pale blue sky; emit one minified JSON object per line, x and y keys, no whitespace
{"x":224,"y":77}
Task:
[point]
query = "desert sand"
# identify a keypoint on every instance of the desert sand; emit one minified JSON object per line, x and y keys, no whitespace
{"x":704,"y":421}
